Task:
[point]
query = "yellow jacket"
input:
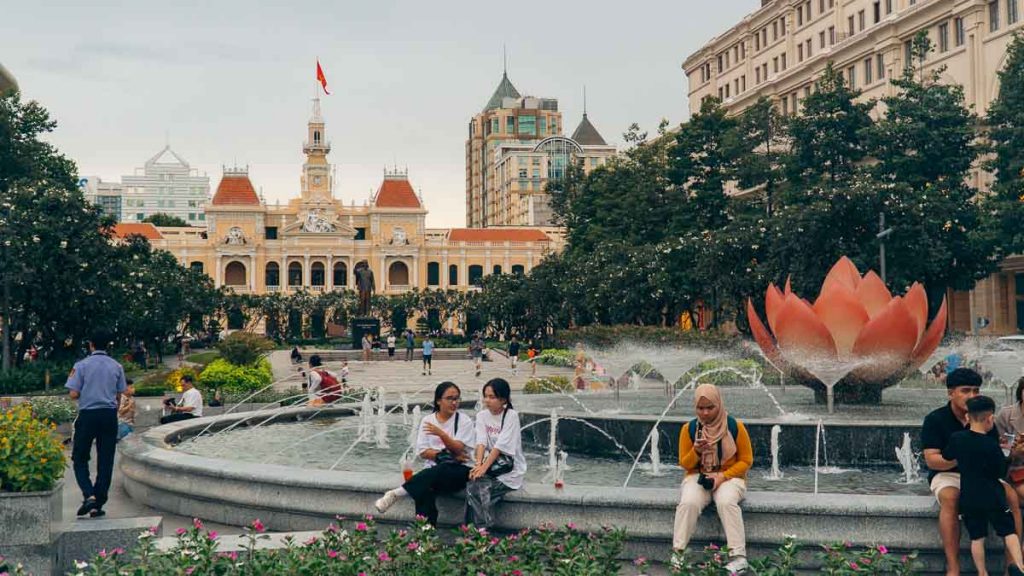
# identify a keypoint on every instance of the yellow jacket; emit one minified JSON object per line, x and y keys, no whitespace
{"x":735,"y":467}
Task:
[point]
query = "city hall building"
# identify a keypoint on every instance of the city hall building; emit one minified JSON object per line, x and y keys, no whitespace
{"x":780,"y":50}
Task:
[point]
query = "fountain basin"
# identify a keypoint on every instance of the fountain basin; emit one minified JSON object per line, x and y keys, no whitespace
{"x":232,"y":491}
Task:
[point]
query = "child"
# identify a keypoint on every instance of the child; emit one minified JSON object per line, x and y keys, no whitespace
{"x":344,"y":374}
{"x":126,"y":411}
{"x":982,"y":498}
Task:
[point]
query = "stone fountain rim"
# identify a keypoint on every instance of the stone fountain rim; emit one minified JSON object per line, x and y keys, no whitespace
{"x":151,"y":453}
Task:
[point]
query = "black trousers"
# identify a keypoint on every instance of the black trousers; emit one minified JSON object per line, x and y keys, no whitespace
{"x":176,"y":417}
{"x":431,"y":482}
{"x":99,"y":426}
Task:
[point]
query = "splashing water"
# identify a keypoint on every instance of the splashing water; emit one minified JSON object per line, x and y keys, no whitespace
{"x":908,"y":460}
{"x":655,"y":440}
{"x":776,"y":473}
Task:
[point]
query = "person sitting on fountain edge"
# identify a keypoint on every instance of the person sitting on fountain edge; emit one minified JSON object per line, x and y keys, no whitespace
{"x":962,"y":384}
{"x":500,"y":464}
{"x":715,"y":451}
{"x":1010,"y":425}
{"x":444,"y":441}
{"x":982,"y":499}
{"x":323,"y":386}
{"x":189,"y":406}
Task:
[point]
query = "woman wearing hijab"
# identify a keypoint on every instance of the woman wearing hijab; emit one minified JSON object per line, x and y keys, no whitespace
{"x":715,"y":451}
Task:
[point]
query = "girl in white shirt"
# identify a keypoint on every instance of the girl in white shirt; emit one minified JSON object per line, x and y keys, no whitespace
{"x":444,"y":441}
{"x":499,"y":464}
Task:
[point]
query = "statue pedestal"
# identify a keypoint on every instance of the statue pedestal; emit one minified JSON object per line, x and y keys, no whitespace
{"x":361,"y":326}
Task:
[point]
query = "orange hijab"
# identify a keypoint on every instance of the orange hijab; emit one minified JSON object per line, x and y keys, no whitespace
{"x":716,"y":432}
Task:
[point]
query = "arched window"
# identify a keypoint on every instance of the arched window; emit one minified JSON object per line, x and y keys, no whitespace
{"x":476,"y":274}
{"x":398,"y":274}
{"x":340,"y":274}
{"x":295,"y":274}
{"x":272,"y":276}
{"x":234,"y":274}
{"x":453,"y":275}
{"x":317,"y":275}
{"x":433,"y":274}
{"x":316,"y":136}
{"x":497,"y":269}
{"x":196,"y":266}
{"x":518,"y":269}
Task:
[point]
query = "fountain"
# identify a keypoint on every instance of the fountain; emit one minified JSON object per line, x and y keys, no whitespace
{"x":655,"y":452}
{"x":553,"y":442}
{"x":381,"y":424}
{"x":908,"y":460}
{"x":776,"y":473}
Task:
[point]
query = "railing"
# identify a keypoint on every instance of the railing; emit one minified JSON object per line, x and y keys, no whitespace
{"x":274,"y":288}
{"x":316,"y":288}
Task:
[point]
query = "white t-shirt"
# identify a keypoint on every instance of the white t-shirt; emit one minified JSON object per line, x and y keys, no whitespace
{"x":391,"y":341}
{"x":194,"y":399}
{"x":466,"y":435}
{"x":508,"y":439}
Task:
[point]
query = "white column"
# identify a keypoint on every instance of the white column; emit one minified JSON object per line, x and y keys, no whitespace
{"x":217,"y":275}
{"x":463,"y":271}
{"x":444,"y":271}
{"x":282,"y":276}
{"x":329,"y":280}
{"x":252,"y":273}
{"x":506,"y":267}
{"x":306,"y":276}
{"x":415,"y":271}
{"x":529,"y":262}
{"x":383,"y":274}
{"x":487,"y":260}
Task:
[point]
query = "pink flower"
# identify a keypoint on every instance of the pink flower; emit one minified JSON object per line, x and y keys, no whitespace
{"x":420,"y":517}
{"x":517,"y":573}
{"x":494,"y":541}
{"x":641,"y":561}
{"x":232,"y":555}
{"x":361,"y":527}
{"x":179,"y":531}
{"x":712,"y":547}
{"x":482,"y":531}
{"x":571,"y":526}
{"x":197,"y":523}
{"x":103,"y":553}
{"x":212,"y":534}
{"x":117,"y":551}
{"x":258,"y":526}
{"x":369,"y":518}
{"x":190,"y":570}
{"x":513,"y":558}
{"x":310,"y":542}
{"x":332,"y":528}
{"x":383,"y":557}
{"x":402,"y":533}
{"x":854,"y":566}
{"x":882,"y":549}
{"x":153,"y":530}
{"x":332,"y":554}
{"x":413,"y":546}
{"x":904,"y":559}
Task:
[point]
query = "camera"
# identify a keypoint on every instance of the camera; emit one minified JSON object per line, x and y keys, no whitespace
{"x":706,"y":482}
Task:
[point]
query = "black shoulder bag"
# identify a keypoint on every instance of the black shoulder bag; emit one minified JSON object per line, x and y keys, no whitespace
{"x":445,"y":456}
{"x":504,"y":463}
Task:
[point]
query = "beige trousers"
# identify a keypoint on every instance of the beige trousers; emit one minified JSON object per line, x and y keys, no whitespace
{"x":695,"y":498}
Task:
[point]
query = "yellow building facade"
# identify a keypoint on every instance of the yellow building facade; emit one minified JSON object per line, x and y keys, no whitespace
{"x":779,"y":51}
{"x":314,"y":242}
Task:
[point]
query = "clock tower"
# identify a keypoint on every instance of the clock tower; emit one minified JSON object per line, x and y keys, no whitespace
{"x":317,"y":181}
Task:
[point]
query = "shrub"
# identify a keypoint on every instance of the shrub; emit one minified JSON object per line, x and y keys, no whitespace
{"x":231,"y":378}
{"x":150,"y":390}
{"x":32,"y":376}
{"x":130,"y":367}
{"x":31,"y":455}
{"x":54,"y":409}
{"x":547,"y":384}
{"x":556,"y":357}
{"x":361,"y":549}
{"x":173,"y":380}
{"x":724,"y":375}
{"x":243,"y":348}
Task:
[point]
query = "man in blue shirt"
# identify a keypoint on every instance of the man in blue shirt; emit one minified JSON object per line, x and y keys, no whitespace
{"x":96,"y":382}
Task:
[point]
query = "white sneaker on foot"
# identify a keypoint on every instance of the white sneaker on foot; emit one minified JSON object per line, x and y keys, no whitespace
{"x":738,"y":564}
{"x":386,"y":501}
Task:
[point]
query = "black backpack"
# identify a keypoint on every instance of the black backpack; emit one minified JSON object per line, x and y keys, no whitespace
{"x":730,"y":424}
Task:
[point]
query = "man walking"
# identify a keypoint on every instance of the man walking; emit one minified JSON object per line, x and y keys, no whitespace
{"x":97,"y":382}
{"x":410,"y":344}
{"x":476,"y":352}
{"x":513,"y":354}
{"x":428,"y":354}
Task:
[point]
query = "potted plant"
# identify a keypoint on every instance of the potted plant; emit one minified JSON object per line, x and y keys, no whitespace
{"x":31,"y":468}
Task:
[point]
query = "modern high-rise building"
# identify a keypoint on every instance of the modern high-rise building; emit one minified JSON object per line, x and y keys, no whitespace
{"x":515,"y":145}
{"x":166,"y":184}
{"x":108,"y":196}
{"x":779,"y":51}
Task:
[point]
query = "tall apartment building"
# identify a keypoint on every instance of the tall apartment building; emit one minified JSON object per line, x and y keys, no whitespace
{"x":108,"y":196}
{"x":166,"y":184}
{"x":780,"y":50}
{"x":515,"y":145}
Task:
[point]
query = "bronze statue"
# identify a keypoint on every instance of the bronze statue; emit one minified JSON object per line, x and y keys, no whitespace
{"x":365,"y":285}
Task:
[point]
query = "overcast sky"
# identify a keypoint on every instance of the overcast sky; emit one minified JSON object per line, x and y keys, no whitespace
{"x":233,"y":82}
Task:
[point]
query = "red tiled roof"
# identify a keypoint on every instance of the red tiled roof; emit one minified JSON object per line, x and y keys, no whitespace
{"x":235,"y":190}
{"x":144,"y":229}
{"x":396,"y":193}
{"x":497,"y":235}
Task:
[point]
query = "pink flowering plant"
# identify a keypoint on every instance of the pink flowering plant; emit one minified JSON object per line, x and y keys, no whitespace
{"x":843,"y":559}
{"x":359,"y":547}
{"x":838,"y":559}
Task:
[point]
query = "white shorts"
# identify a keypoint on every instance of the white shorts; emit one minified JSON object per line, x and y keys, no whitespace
{"x":944,"y":480}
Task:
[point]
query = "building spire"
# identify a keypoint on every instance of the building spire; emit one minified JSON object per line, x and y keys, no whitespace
{"x":317,"y":117}
{"x":584,"y":100}
{"x":504,"y":60}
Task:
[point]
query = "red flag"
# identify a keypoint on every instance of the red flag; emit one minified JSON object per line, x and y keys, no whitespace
{"x":320,"y":77}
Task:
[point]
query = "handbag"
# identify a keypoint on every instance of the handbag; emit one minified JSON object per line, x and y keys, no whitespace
{"x":504,"y":463}
{"x":445,"y":456}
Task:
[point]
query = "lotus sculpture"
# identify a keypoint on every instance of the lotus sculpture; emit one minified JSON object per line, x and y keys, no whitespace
{"x":856,"y":337}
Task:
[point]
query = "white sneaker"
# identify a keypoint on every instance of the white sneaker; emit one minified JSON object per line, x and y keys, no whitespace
{"x":738,"y":564}
{"x":386,"y":501}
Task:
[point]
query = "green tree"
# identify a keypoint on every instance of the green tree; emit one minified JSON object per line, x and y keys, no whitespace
{"x":700,"y":162}
{"x":161,"y":219}
{"x":759,"y":144}
{"x":1006,"y":134}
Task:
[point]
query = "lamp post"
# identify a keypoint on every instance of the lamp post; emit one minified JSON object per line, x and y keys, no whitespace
{"x":883,"y":233}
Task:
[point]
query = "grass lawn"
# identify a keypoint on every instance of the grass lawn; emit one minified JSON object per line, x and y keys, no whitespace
{"x":203,"y":358}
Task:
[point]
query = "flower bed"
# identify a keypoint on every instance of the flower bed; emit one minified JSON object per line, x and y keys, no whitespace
{"x":230,"y":378}
{"x":31,"y":455}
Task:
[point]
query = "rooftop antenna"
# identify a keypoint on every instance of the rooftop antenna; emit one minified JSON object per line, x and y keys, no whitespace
{"x":584,"y":100}
{"x":167,"y":138}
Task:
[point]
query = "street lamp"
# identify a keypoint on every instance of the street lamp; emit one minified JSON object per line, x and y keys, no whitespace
{"x":883,"y":233}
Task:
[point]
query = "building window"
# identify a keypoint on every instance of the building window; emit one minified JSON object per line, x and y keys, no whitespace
{"x":518,"y":269}
{"x":821,"y":6}
{"x":880,"y":65}
{"x":140,"y":216}
{"x":775,"y":65}
{"x":453,"y":275}
{"x":849,"y":23}
{"x":743,"y":49}
{"x":295,"y":274}
{"x":888,"y":7}
{"x":727,"y":91}
{"x":868,"y":71}
{"x":340,"y":274}
{"x":510,"y":124}
{"x":757,"y":45}
{"x":993,"y":15}
{"x":528,"y":125}
{"x":743,"y":83}
{"x":831,"y":3}
{"x":476,"y":274}
{"x":191,"y":215}
{"x":757,"y":75}
{"x":721,"y":93}
{"x":958,"y":36}
{"x":783,"y":61}
{"x":861,"y":20}
{"x":1012,"y":15}
{"x":807,"y":8}
{"x":800,"y":53}
{"x":782,"y":25}
{"x":272,"y":274}
{"x":851,"y":77}
{"x":831,"y":35}
{"x":877,"y":11}
{"x":196,"y":266}
{"x":736,"y":86}
{"x":799,"y":15}
{"x":785,"y":106}
{"x":270,"y":232}
{"x":726,"y":58}
{"x":360,"y":234}
{"x":821,"y":39}
{"x":433,"y":274}
{"x":944,"y":37}
{"x":764,"y":36}
{"x":497,"y":269}
{"x":775,"y":30}
{"x":808,"y":47}
{"x":908,"y":54}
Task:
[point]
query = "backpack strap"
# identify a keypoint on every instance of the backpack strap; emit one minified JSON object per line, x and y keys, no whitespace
{"x":731,"y":424}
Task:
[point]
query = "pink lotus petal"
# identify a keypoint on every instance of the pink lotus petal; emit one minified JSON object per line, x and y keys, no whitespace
{"x":843,"y":272}
{"x":773,"y":301}
{"x":917,"y":303}
{"x":932,"y":337}
{"x":800,"y":332}
{"x":873,"y":294}
{"x":761,"y":335}
{"x":888,"y":340}
{"x":843,"y":315}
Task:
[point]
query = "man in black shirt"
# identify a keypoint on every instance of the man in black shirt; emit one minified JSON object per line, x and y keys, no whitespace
{"x":943,"y":475}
